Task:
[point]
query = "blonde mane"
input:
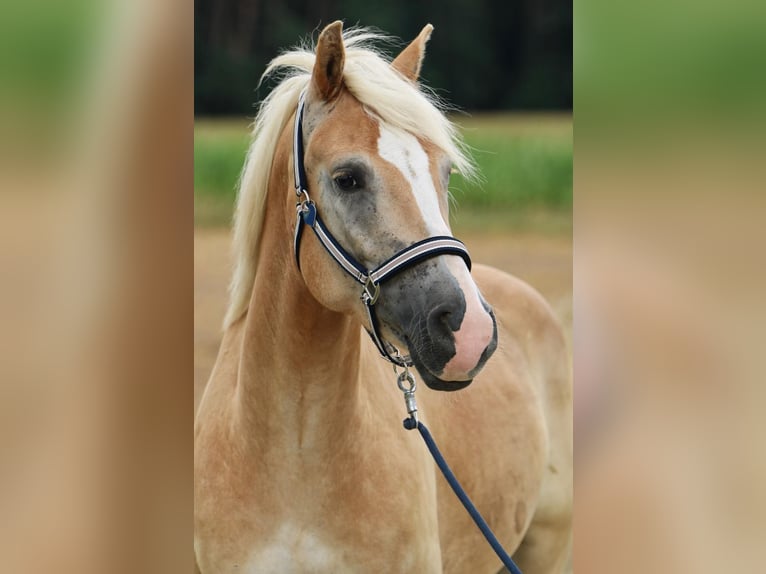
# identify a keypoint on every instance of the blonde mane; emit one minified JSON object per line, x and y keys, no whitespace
{"x":384,"y":93}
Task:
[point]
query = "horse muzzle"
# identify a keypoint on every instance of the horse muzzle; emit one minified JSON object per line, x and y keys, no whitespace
{"x":468,"y":352}
{"x":450,"y":334}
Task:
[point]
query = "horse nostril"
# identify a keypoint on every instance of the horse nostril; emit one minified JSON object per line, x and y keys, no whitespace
{"x":444,"y":319}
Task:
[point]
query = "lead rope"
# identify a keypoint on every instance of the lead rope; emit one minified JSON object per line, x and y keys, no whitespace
{"x":406,"y":383}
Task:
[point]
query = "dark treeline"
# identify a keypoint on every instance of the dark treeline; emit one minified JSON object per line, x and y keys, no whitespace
{"x":484,"y":54}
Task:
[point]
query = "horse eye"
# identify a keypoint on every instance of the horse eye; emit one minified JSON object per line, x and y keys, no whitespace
{"x":346,"y":181}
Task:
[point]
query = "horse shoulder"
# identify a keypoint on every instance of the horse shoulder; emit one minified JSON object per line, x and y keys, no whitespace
{"x":526,"y":321}
{"x":529,"y":331}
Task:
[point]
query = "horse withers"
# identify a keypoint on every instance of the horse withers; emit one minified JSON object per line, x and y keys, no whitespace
{"x":301,"y":462}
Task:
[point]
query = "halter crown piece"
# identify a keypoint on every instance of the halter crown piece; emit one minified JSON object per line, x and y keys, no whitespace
{"x":371,"y":280}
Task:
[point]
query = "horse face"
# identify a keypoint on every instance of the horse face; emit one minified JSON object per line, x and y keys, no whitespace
{"x":380,"y":190}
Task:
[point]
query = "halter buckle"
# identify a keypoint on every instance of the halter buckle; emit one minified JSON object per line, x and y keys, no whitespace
{"x":307,"y":211}
{"x":371,"y":292}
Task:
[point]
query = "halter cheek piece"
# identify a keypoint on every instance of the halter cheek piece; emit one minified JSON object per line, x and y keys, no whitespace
{"x":371,"y":280}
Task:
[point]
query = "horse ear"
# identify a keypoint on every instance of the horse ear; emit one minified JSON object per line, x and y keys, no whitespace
{"x":410,"y":60}
{"x":327,"y":76}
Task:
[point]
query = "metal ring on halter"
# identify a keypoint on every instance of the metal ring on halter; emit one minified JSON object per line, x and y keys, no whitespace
{"x":371,"y":292}
{"x":300,"y":191}
{"x":406,"y":375}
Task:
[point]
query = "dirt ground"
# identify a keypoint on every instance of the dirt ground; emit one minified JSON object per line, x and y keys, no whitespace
{"x":543,"y":260}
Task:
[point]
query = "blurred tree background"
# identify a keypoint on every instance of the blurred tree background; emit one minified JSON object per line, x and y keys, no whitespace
{"x":485,"y":54}
{"x":507,"y":62}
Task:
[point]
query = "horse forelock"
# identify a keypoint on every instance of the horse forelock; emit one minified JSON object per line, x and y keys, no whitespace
{"x":398,"y":103}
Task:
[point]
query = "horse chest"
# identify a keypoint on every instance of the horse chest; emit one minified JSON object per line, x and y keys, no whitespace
{"x":295,"y":550}
{"x":292,"y":549}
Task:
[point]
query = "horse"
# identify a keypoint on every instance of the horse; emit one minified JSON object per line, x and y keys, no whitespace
{"x":301,"y":463}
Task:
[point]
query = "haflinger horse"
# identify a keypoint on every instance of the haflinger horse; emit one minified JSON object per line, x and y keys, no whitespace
{"x":301,"y":461}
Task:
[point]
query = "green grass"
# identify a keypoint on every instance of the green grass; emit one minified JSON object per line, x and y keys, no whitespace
{"x":525,"y":163}
{"x":219,"y":152}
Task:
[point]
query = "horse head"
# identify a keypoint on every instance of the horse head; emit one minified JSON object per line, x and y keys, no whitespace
{"x":381,"y":188}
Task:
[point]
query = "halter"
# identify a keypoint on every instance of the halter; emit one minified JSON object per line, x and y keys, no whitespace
{"x":371,"y":280}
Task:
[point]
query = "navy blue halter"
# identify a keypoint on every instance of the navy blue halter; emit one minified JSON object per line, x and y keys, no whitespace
{"x":370,"y":279}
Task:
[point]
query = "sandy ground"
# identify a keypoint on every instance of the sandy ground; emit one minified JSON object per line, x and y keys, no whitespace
{"x":543,"y":260}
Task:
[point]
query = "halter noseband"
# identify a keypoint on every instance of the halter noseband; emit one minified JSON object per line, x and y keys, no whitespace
{"x":370,"y":279}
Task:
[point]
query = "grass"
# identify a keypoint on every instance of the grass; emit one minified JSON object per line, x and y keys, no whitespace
{"x":219,"y":152}
{"x":525,"y":162}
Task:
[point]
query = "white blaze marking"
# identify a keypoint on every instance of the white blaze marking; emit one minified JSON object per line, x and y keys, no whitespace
{"x":405,"y":152}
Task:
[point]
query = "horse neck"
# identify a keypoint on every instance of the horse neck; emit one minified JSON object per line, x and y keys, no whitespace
{"x":299,"y":365}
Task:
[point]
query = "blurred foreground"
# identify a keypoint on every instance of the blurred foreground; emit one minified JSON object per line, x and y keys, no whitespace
{"x":670,"y":437}
{"x":96,"y":287}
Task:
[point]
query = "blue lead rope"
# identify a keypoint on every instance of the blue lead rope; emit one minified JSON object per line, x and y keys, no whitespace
{"x":410,"y":424}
